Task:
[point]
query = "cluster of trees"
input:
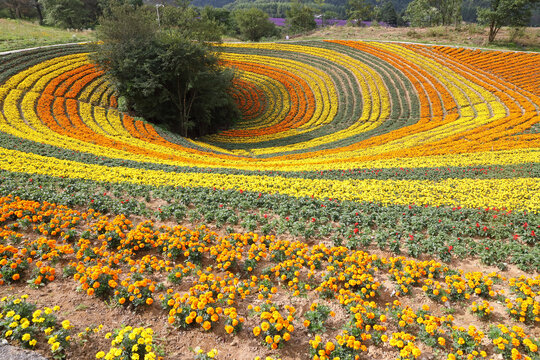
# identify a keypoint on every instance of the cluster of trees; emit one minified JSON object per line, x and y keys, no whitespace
{"x":249,"y":19}
{"x":253,"y":24}
{"x":434,"y":12}
{"x":493,"y":13}
{"x":165,"y":69}
{"x":72,"y":14}
{"x":330,"y":9}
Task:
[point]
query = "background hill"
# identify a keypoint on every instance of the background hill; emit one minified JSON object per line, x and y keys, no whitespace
{"x":277,"y":8}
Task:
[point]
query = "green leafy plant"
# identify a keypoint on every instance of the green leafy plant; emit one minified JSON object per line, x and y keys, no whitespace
{"x":316,"y":317}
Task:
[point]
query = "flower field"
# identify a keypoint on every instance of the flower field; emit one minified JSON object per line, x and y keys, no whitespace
{"x":376,"y":201}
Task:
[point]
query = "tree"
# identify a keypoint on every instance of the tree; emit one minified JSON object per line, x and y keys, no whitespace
{"x":359,"y":10}
{"x":328,"y":15}
{"x":505,"y":13}
{"x":77,"y":14}
{"x":39,"y":11}
{"x":70,"y":14}
{"x":253,"y":24}
{"x":106,"y":5}
{"x":320,"y":9}
{"x":387,"y":13}
{"x":300,"y":17}
{"x":434,"y":12}
{"x":221,"y":17}
{"x":168,"y":74}
{"x":19,"y":9}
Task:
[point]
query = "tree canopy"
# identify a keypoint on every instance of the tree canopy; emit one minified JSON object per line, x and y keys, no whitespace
{"x":300,"y":17}
{"x":359,"y":10}
{"x":254,"y":24}
{"x":386,"y":13}
{"x":434,"y":12}
{"x":505,"y":13}
{"x":168,"y":73}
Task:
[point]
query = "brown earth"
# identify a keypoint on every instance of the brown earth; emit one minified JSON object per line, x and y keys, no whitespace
{"x":469,"y":35}
{"x":90,"y":312}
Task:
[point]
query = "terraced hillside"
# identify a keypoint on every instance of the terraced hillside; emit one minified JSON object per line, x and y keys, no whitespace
{"x":377,"y":200}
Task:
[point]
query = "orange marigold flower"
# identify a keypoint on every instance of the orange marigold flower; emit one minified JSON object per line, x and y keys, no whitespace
{"x":256,"y":331}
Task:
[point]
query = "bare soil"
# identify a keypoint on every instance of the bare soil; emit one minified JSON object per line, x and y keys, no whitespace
{"x":86,"y":312}
{"x":469,"y":35}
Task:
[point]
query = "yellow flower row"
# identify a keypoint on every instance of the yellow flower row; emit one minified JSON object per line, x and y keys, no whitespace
{"x":375,"y":98}
{"x":519,"y":193}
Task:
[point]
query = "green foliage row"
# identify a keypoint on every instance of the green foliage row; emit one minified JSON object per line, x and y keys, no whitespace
{"x":14,"y":63}
{"x":496,"y":237}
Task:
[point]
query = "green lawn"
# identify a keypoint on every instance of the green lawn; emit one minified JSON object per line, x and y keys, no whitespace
{"x":17,"y":34}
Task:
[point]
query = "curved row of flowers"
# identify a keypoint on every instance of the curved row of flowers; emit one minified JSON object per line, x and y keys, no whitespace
{"x":464,"y":120}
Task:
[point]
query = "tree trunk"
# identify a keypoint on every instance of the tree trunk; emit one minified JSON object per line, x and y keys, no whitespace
{"x":40,"y":14}
{"x":493,"y":29}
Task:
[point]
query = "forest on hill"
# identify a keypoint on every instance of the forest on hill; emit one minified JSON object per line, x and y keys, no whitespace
{"x":84,"y":14}
{"x":338,"y":8}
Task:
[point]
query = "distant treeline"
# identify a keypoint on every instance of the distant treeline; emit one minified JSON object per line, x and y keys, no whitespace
{"x":84,"y":13}
{"x":338,"y":8}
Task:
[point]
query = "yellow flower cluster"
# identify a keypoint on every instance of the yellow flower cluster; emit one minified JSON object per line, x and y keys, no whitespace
{"x":130,"y":341}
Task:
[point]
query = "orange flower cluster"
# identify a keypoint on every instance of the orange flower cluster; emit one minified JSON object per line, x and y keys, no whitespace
{"x":408,"y":273}
{"x":114,"y":258}
{"x":199,"y":305}
{"x":301,"y":95}
{"x":97,"y":279}
{"x":13,"y":262}
{"x":136,"y":293}
{"x":273,"y":326}
{"x":251,"y":100}
{"x":44,"y":274}
{"x":405,"y":342}
{"x":525,"y":286}
{"x":518,"y":68}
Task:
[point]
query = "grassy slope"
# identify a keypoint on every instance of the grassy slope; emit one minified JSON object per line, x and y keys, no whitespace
{"x":24,"y":34}
{"x":470,"y":35}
